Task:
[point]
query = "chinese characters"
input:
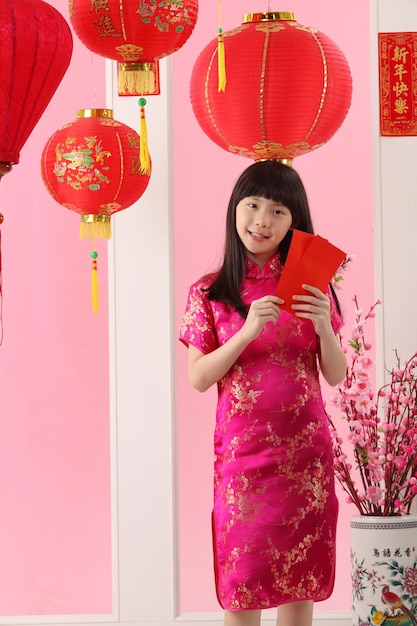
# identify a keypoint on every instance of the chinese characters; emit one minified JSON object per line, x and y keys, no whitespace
{"x":398,"y":81}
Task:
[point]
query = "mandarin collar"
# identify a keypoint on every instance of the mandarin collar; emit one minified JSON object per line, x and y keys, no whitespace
{"x":271,"y":269}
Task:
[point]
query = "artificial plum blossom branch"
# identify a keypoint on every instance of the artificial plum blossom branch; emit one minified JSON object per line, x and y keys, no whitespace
{"x":382,"y":430}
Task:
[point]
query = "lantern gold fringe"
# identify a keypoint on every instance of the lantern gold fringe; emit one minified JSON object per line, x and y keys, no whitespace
{"x":95,"y":227}
{"x":138,"y":79}
{"x":221,"y":61}
{"x":144,"y":158}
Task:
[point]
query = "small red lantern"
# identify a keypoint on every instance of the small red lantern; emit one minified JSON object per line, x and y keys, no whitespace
{"x":288,"y":89}
{"x":136,"y":34}
{"x":92,"y":166}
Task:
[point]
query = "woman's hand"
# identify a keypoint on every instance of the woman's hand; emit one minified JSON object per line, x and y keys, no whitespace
{"x":317,"y":309}
{"x":314,"y":307}
{"x":261,"y":312}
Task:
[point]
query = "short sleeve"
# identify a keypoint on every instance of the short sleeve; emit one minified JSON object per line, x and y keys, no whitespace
{"x":197,"y":327}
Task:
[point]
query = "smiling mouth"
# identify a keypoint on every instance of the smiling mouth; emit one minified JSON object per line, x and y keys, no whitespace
{"x":258,"y":236}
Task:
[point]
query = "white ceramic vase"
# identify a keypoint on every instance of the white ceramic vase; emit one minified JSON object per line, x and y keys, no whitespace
{"x":384,"y":570}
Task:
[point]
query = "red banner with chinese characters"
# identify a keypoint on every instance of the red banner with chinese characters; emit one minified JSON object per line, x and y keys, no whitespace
{"x":397,"y":83}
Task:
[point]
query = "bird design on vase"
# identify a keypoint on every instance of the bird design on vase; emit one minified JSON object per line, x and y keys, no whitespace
{"x":391,"y":616}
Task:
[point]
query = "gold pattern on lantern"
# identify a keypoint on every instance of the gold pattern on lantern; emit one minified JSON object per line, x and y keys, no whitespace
{"x":132,"y":141}
{"x":122,"y":20}
{"x":265,"y":150}
{"x":129,"y":52}
{"x":136,"y":167}
{"x":305,"y":29}
{"x":111,"y":207}
{"x":235,"y":31}
{"x":122,"y":168}
{"x":269,"y":28}
{"x":105,"y":27}
{"x":325,"y":83}
{"x":262,"y":84}
{"x":258,"y":155}
{"x":207,"y":99}
{"x":113,"y":123}
{"x":98,"y":5}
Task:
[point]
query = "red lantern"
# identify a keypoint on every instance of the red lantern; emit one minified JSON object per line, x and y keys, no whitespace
{"x":35,"y":51}
{"x":91,"y":166}
{"x":136,"y":34}
{"x":288,"y":89}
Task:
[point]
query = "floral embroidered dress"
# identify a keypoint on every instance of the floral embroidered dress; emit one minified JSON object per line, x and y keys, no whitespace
{"x":275,"y":509}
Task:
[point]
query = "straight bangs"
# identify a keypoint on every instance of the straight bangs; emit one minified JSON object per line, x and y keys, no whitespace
{"x":276,"y":182}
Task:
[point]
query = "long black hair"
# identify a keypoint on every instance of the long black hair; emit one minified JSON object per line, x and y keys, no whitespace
{"x":268,"y":179}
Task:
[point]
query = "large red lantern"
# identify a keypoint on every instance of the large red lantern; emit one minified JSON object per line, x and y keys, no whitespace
{"x":288,"y":88}
{"x":92,"y":166}
{"x":35,"y":51}
{"x":136,"y":34}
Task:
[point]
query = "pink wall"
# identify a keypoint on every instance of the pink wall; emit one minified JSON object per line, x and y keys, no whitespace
{"x":338,"y":179}
{"x":55,"y":540}
{"x":55,"y":534}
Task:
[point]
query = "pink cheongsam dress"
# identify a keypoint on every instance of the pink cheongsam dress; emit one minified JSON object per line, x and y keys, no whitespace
{"x":275,"y":509}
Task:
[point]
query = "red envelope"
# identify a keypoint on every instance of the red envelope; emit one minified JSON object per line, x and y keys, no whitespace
{"x":311,"y":260}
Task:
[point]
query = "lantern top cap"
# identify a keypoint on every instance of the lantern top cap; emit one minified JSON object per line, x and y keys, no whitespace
{"x":108,"y":113}
{"x":100,"y":218}
{"x":268,"y":17}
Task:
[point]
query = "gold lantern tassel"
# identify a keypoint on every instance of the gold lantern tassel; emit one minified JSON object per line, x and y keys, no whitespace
{"x":221,"y":62}
{"x":145,"y":162}
{"x":94,"y":282}
{"x":92,"y":226}
{"x":135,"y":79}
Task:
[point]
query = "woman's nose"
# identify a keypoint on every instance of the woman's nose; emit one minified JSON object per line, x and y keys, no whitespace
{"x":261,"y":220}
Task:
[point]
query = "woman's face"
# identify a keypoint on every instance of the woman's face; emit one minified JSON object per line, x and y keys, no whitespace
{"x":261,"y":225}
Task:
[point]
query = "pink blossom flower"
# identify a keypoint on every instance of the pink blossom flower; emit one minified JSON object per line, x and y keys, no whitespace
{"x":367,"y":361}
{"x":374,"y":493}
{"x":363,"y":404}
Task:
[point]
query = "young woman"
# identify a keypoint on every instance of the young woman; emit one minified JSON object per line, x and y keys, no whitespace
{"x":275,"y":509}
